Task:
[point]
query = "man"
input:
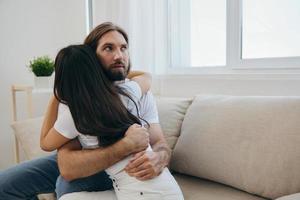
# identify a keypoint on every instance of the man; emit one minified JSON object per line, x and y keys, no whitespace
{"x":82,"y":170}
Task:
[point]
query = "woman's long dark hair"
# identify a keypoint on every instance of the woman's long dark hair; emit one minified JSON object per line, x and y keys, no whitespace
{"x":93,"y":100}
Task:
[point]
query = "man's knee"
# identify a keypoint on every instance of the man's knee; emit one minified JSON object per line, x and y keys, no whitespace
{"x":10,"y":186}
{"x":27,"y":179}
{"x":97,"y":182}
{"x":63,"y":187}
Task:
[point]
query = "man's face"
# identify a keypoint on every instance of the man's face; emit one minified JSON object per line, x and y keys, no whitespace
{"x":112,"y":49}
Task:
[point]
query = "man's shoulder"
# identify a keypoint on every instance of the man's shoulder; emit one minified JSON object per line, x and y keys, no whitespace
{"x":147,"y":95}
{"x":147,"y":106}
{"x":147,"y":98}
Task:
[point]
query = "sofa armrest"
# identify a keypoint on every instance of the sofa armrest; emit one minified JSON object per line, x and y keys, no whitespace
{"x":295,"y":196}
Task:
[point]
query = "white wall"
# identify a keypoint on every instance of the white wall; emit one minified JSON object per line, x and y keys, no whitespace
{"x":31,"y":28}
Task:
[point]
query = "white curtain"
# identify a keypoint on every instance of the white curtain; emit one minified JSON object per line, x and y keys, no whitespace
{"x":146,"y":24}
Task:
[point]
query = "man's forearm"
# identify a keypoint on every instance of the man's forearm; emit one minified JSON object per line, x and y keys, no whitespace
{"x":74,"y":163}
{"x":159,"y":145}
{"x":164,"y":151}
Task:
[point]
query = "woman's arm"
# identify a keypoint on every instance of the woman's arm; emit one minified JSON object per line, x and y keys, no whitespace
{"x":50,"y":139}
{"x":144,"y":79}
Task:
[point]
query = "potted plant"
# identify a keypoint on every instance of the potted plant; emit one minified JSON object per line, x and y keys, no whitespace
{"x":42,"y":67}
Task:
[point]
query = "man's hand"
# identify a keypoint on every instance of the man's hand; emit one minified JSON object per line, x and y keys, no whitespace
{"x":144,"y":165}
{"x":138,"y":138}
{"x":147,"y":164}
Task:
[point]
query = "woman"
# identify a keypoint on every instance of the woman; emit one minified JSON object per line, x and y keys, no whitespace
{"x":99,"y":112}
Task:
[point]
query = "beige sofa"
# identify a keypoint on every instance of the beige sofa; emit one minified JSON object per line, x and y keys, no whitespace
{"x":224,"y":147}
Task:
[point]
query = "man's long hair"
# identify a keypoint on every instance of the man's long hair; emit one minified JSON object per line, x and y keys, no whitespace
{"x":94,"y":100}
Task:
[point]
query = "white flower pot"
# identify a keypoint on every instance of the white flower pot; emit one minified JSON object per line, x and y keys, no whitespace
{"x":42,"y":82}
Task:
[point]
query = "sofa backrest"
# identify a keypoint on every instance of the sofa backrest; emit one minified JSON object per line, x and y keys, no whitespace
{"x":250,"y":143}
{"x":171,"y":114}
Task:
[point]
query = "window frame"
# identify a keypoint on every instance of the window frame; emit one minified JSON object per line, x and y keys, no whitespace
{"x":234,"y":59}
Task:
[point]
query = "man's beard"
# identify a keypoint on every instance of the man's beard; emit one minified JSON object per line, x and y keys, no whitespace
{"x":116,"y":75}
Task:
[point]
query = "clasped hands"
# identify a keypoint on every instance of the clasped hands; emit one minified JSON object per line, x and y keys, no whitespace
{"x":144,"y":164}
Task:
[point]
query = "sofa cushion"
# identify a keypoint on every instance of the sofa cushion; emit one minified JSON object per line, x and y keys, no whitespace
{"x":196,"y":188}
{"x":192,"y":188}
{"x":290,"y":197}
{"x":171,"y":112}
{"x":250,"y":143}
{"x":105,"y":195}
{"x":49,"y":196}
{"x":28,"y":134}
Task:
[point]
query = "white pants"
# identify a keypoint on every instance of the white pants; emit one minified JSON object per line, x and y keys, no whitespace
{"x":162,"y":187}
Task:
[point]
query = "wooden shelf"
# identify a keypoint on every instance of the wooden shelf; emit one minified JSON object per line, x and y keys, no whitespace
{"x":29,"y":90}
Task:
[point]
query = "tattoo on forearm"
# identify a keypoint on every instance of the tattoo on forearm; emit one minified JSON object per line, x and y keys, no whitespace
{"x":164,"y":151}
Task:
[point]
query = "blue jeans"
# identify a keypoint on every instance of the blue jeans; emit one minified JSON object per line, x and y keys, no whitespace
{"x":24,"y":181}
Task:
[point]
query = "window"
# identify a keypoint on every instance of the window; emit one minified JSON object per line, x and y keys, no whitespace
{"x":208,"y":33}
{"x":271,"y":28}
{"x":234,"y":33}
